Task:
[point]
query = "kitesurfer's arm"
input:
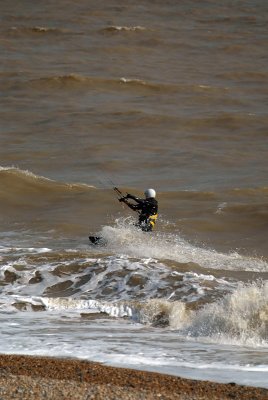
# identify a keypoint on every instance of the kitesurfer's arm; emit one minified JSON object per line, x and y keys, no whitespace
{"x":134,"y":207}
{"x":137,"y":199}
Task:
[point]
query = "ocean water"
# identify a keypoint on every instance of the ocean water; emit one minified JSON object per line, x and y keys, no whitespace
{"x":170,"y":95}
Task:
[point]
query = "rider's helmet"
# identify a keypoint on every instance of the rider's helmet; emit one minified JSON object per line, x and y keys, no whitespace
{"x":149,"y":193}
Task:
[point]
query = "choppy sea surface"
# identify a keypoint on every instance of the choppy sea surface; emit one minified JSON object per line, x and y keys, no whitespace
{"x":170,"y":95}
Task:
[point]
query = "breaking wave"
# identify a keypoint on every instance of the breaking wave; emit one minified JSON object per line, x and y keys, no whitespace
{"x":240,"y":317}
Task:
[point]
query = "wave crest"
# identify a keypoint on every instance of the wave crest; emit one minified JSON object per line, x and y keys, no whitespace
{"x":25,"y":187}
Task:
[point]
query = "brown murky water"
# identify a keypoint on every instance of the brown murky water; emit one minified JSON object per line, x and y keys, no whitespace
{"x":170,"y":95}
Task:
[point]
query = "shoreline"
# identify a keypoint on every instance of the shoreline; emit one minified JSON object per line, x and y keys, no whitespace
{"x":35,"y":377}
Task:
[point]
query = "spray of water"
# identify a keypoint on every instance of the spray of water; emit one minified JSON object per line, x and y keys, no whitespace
{"x":124,"y":237}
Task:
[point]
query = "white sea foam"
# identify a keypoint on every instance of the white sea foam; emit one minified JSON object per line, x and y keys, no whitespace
{"x":239,"y":318}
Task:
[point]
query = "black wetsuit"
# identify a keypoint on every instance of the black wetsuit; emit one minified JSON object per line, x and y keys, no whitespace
{"x":147,"y":209}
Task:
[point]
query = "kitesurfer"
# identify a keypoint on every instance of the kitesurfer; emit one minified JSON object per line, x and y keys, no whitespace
{"x":147,"y":209}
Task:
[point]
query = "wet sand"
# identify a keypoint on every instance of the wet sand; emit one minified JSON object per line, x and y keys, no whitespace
{"x":25,"y":377}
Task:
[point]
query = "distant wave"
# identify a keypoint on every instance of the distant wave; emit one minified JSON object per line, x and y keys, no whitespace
{"x":31,"y":30}
{"x":45,"y":30}
{"x":115,"y":28}
{"x":87,"y":82}
{"x":83,"y":82}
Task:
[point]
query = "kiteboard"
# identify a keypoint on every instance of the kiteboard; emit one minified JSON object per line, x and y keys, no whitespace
{"x":97,"y":240}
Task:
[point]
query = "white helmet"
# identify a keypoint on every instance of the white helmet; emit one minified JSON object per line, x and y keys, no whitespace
{"x":149,"y":193}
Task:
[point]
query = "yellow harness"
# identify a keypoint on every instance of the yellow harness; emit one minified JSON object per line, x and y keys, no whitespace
{"x":152,"y":220}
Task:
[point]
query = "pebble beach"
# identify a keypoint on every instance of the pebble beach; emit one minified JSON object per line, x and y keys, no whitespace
{"x":26,"y":377}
